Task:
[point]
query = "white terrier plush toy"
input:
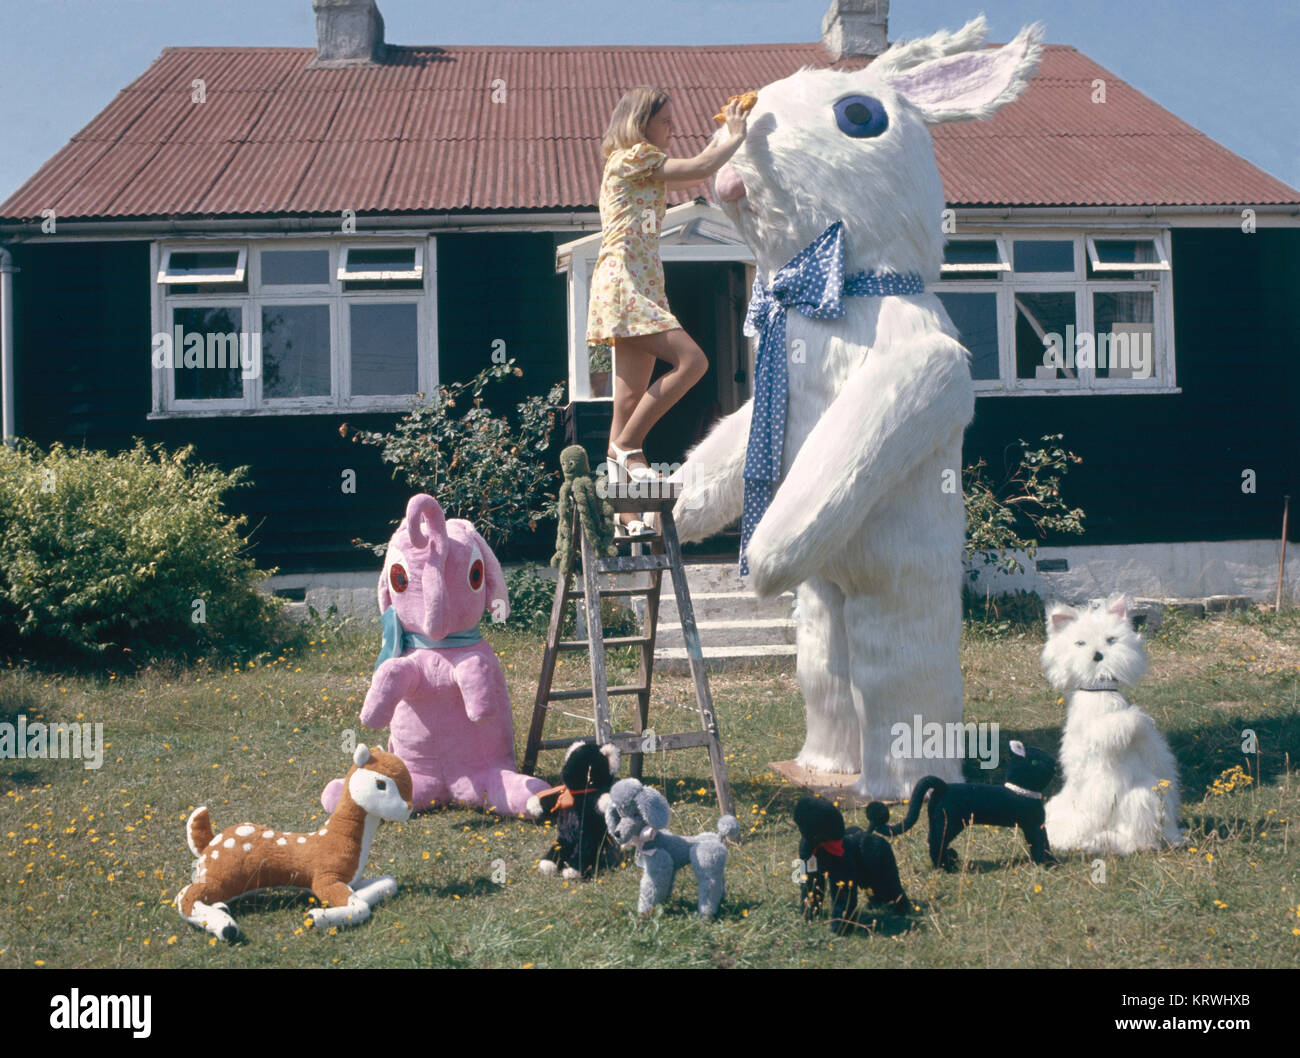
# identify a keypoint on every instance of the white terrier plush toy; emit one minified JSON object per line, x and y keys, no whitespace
{"x":1121,"y":780}
{"x":845,"y":468}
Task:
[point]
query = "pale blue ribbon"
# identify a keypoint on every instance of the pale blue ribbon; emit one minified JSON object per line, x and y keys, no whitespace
{"x":812,"y":282}
{"x":397,"y":640}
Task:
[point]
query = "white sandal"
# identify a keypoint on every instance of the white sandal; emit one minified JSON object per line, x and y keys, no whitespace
{"x":619,"y":473}
{"x":643,"y":526}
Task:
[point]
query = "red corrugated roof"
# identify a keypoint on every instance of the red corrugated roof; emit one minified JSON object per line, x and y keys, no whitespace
{"x":421,"y":133}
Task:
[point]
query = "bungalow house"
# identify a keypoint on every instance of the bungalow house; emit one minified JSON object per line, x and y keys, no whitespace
{"x":387,"y":217}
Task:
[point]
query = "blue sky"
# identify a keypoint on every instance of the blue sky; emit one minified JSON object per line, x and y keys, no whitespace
{"x":1228,"y":69}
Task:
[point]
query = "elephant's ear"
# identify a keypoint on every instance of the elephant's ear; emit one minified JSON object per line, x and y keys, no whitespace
{"x":498,"y":598}
{"x":653,"y":807}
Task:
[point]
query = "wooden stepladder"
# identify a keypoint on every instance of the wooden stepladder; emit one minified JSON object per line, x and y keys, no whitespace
{"x":651,"y":555}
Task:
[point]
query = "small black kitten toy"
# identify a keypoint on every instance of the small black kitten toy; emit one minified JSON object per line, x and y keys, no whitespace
{"x":1016,"y":803}
{"x":582,"y":844}
{"x":849,"y":858}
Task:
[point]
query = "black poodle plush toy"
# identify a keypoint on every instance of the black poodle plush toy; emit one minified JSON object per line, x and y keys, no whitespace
{"x":582,"y":844}
{"x":848,"y":858}
{"x":1016,"y":803}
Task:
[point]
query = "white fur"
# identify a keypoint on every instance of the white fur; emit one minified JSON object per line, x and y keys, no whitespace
{"x":1121,"y":780}
{"x":860,"y":523}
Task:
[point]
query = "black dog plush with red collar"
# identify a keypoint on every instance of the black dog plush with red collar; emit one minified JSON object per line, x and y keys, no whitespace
{"x":582,"y":844}
{"x":848,"y":858}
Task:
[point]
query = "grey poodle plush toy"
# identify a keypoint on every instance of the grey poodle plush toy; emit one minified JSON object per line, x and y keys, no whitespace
{"x":636,"y":816}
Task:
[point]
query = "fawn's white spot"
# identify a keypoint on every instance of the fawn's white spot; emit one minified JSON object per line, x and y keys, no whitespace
{"x":229,"y":843}
{"x":244,"y":830}
{"x":302,"y":841}
{"x":268,"y":833}
{"x":281,"y":841}
{"x":248,"y":847}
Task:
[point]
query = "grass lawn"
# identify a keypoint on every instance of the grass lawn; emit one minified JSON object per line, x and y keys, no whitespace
{"x":92,"y":859}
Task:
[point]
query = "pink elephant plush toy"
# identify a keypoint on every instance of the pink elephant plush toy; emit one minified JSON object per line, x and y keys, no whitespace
{"x":438,"y":685}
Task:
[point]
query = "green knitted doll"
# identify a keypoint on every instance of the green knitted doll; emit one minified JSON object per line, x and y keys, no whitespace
{"x":596,"y":514}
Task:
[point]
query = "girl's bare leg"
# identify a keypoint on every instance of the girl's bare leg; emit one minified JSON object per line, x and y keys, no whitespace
{"x":643,"y":406}
{"x":638,"y":405}
{"x":633,"y":366}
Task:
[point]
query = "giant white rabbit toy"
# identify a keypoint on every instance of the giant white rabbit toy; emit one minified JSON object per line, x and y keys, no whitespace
{"x":438,"y":685}
{"x":845,"y":468}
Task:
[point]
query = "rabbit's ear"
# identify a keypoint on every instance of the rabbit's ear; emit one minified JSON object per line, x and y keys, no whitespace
{"x":970,"y":84}
{"x":433,"y":532}
{"x":905,"y":54}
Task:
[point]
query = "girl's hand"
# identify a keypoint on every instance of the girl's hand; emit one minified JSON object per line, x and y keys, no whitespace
{"x":735,"y":117}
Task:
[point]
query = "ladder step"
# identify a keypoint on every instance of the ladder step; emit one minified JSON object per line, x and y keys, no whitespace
{"x":630,"y":741}
{"x":633,"y":564}
{"x":607,"y":593}
{"x":616,"y":641}
{"x":586,"y":692}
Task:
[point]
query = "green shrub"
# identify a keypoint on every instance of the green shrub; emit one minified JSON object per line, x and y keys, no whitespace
{"x":124,"y":555}
{"x":1004,"y":613}
{"x":480,"y":466}
{"x":531,"y":599}
{"x":1008,"y":519}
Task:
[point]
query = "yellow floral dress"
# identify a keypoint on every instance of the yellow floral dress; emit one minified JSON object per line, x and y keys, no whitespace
{"x":627,"y":284}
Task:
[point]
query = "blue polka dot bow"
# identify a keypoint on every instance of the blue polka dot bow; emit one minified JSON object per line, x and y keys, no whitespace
{"x":813,"y":282}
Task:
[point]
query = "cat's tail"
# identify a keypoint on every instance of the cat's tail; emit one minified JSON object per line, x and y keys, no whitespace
{"x":925,"y":786}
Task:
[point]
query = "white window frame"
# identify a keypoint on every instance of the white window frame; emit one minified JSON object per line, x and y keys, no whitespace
{"x":345,"y":274}
{"x":1003,"y":263}
{"x":1160,"y":264}
{"x":340,"y":399}
{"x":241,"y":263}
{"x":1008,"y":283}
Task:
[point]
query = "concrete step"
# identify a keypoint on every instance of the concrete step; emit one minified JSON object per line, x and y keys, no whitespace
{"x":727,"y":606}
{"x":779,"y":656}
{"x":769,"y":632}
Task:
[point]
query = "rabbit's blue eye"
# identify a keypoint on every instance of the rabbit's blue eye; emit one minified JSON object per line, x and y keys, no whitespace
{"x":861,"y":116}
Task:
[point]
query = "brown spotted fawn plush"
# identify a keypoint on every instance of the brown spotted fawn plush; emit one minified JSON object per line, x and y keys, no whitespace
{"x":329,"y":861}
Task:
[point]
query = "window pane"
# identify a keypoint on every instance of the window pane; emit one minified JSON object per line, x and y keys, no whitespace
{"x":390,"y":259}
{"x":1039,"y":317}
{"x":295,"y":268}
{"x":208,"y":354}
{"x":1124,"y":251}
{"x":976,"y":319}
{"x":203,"y":263}
{"x":385,"y":347}
{"x":970,"y":251}
{"x":295,"y":351}
{"x":1125,"y":323}
{"x":1044,"y":255}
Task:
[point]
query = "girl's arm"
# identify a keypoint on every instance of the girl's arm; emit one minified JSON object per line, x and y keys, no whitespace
{"x":682,"y":172}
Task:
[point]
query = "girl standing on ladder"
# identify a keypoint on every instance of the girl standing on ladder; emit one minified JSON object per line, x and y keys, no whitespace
{"x":628,"y":307}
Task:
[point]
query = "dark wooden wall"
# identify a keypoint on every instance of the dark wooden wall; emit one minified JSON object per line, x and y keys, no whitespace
{"x":82,"y":331}
{"x":1169,"y":468}
{"x":1156,"y":468}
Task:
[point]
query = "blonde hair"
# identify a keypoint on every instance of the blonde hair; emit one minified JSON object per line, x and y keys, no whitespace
{"x":631,"y":115}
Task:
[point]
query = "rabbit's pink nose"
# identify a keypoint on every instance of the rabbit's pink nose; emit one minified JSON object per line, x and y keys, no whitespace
{"x":728,"y":185}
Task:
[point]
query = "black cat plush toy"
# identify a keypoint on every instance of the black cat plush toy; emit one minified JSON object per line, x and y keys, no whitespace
{"x":1016,"y":803}
{"x":849,"y":858}
{"x":582,"y":843}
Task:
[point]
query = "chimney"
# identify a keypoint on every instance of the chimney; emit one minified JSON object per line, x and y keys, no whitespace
{"x":852,"y":28}
{"x":348,"y":32}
